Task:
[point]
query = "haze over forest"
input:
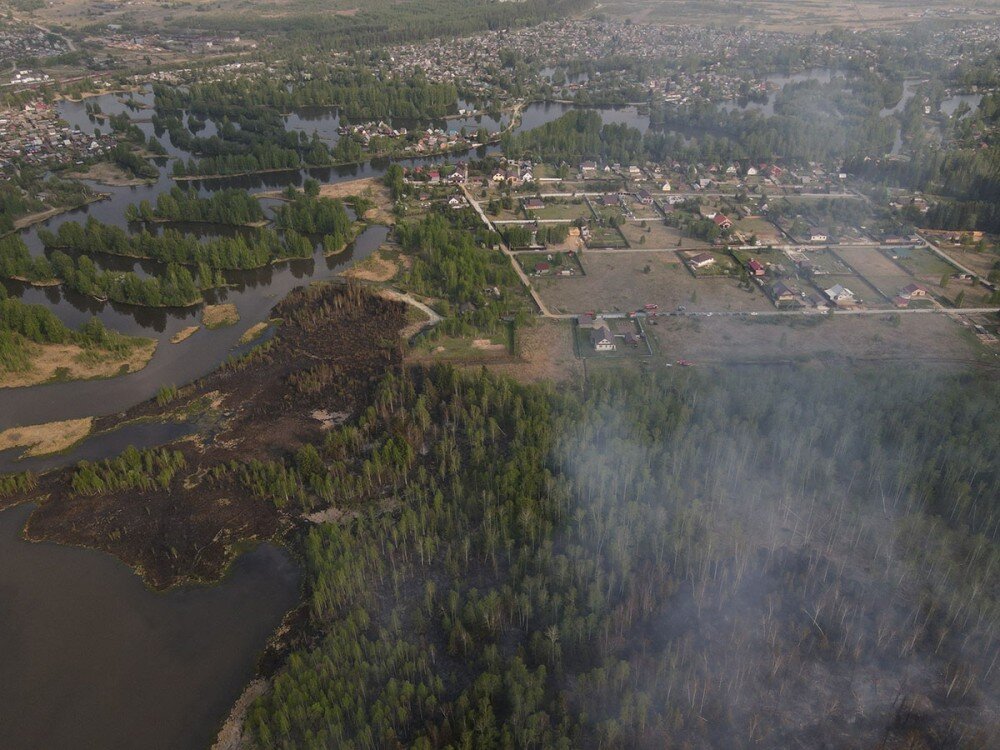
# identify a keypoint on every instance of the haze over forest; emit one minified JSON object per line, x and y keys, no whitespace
{"x":453,"y":374}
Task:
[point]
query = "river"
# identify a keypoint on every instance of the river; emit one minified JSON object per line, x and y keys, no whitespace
{"x":90,"y":658}
{"x":254,"y":293}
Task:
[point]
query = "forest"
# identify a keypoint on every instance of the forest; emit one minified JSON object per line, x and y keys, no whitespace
{"x":253,"y":249}
{"x":307,"y":213}
{"x":382,"y":22}
{"x":576,"y":135}
{"x":175,"y":286}
{"x":479,"y":289}
{"x":230,"y":206}
{"x":657,"y":561}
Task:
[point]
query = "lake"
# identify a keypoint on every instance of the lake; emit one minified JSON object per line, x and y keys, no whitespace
{"x":90,"y":658}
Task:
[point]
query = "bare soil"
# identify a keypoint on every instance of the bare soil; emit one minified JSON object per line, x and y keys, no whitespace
{"x":106,"y":173}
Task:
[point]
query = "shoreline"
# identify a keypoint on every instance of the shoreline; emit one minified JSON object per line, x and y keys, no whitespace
{"x":30,"y":220}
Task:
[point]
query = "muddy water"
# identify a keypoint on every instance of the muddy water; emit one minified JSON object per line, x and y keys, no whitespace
{"x":89,"y":658}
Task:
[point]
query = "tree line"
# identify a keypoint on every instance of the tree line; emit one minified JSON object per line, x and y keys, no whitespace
{"x":175,"y":286}
{"x":253,"y":249}
{"x":230,"y":206}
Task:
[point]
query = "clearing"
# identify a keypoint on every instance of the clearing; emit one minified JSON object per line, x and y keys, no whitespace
{"x":617,"y":282}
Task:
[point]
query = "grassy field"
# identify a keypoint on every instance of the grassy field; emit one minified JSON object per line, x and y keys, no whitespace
{"x":920,"y":338}
{"x":563,"y":210}
{"x":765,"y":231}
{"x":606,"y":237}
{"x":627,"y":281}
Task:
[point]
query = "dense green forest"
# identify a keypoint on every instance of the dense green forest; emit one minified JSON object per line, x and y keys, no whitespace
{"x":577,"y":135}
{"x":253,"y":249}
{"x":22,"y":325}
{"x":658,"y":562}
{"x":228,"y":206}
{"x":357,"y":94}
{"x":174,"y":287}
{"x":20,"y":195}
{"x":307,"y":213}
{"x":450,"y":262}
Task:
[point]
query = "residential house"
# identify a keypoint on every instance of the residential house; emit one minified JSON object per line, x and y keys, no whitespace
{"x":782,"y":294}
{"x":840,"y":295}
{"x":913,"y":291}
{"x":533,"y":204}
{"x":601,"y":338}
{"x":697,"y":261}
{"x":644,"y":197}
{"x":755,"y":267}
{"x":722,"y":221}
{"x":818,"y":235}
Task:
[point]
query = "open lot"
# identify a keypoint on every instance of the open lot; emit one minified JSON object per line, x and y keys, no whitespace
{"x":923,"y":263}
{"x":878,"y":271}
{"x":568,"y":210}
{"x":605,"y":237}
{"x":867,"y":295}
{"x":981,"y":262}
{"x":627,"y":281}
{"x":921,"y":338}
{"x":762,"y":229}
{"x":658,"y":235}
{"x":641,"y":210}
{"x":823,"y":262}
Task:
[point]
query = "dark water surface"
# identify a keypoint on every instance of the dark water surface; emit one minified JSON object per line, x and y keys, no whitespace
{"x":90,"y":658}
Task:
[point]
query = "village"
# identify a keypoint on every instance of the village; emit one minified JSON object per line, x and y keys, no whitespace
{"x":617,"y":249}
{"x":33,"y":135}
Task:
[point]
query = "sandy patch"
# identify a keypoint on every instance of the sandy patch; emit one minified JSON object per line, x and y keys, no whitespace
{"x":66,"y":361}
{"x":373,"y":268}
{"x":50,"y":437}
{"x":231,"y":735}
{"x":486,"y":344}
{"x":217,"y":316}
{"x":253,"y":333}
{"x":108,"y":174}
{"x":183,"y":334}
